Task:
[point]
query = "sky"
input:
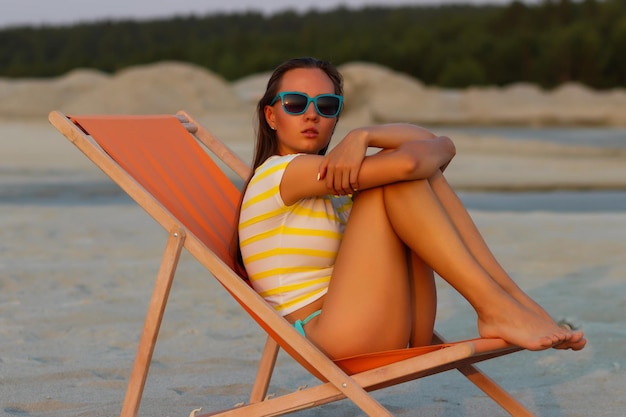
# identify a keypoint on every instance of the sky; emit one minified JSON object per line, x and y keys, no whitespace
{"x":61,"y":12}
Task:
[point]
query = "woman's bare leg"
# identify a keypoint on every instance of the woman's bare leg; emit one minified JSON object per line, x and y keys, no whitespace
{"x":423,"y":300}
{"x":476,"y":244}
{"x":479,"y":249}
{"x":367,"y":307}
{"x":422,"y":223}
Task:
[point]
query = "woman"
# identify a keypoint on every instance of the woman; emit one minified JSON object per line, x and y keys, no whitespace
{"x":344,"y":245}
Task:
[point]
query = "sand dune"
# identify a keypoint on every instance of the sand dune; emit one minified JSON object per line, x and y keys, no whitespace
{"x":373,"y":94}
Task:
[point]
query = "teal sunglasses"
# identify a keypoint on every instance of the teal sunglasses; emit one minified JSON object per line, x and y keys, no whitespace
{"x":295,"y":103}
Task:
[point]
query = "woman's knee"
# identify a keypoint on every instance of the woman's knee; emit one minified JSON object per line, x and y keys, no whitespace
{"x":401,"y":190}
{"x":393,"y":188}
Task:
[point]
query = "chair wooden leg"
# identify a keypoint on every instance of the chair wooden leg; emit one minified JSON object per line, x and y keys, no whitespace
{"x":489,"y":387}
{"x":152,"y":323}
{"x":495,"y":391}
{"x":264,"y":374}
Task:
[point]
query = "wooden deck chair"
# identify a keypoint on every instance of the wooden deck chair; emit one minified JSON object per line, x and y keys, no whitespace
{"x":161,"y":163}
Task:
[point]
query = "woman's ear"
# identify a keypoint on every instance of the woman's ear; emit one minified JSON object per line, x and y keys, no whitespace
{"x":270,"y":117}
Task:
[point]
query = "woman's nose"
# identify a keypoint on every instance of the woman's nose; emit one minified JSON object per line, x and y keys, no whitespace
{"x":311,"y":112}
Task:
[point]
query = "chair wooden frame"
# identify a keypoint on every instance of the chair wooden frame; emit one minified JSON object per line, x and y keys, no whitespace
{"x":335,"y":383}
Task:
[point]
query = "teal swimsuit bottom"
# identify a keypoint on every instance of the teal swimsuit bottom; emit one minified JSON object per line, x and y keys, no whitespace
{"x":298,"y":324}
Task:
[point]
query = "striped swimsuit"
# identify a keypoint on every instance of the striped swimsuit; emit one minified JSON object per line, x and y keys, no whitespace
{"x":289,"y":251}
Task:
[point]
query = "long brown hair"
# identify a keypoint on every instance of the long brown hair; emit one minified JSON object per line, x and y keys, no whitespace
{"x":266,"y":141}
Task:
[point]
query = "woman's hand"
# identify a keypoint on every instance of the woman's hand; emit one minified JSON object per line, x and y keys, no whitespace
{"x":340,"y":168}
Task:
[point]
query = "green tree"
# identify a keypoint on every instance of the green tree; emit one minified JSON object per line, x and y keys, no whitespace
{"x":460,"y":74}
{"x":546,"y":43}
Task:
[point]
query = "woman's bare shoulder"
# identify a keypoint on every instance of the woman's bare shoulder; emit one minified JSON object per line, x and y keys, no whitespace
{"x":301,"y":179}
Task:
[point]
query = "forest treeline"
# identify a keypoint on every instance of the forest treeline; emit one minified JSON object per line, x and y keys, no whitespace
{"x":548,"y":43}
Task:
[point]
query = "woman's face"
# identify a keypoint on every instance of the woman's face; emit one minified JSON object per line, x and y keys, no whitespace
{"x":307,"y":132}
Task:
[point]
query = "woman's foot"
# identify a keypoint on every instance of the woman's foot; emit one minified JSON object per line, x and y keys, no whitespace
{"x":577,"y":339}
{"x":525,"y":328}
{"x":577,"y":342}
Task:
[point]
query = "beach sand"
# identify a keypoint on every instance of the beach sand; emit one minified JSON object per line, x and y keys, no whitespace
{"x":78,"y":261}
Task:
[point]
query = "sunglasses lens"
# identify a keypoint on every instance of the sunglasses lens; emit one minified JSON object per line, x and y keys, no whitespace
{"x":328,"y":105}
{"x":295,"y":103}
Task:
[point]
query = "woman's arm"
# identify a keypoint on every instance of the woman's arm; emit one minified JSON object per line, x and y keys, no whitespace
{"x":390,"y":136}
{"x":350,"y":151}
{"x":340,"y":169}
{"x":409,"y":159}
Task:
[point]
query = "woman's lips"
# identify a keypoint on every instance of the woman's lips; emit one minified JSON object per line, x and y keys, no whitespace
{"x":310,"y":133}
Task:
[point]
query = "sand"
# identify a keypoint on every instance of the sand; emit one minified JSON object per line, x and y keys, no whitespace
{"x":77,"y":263}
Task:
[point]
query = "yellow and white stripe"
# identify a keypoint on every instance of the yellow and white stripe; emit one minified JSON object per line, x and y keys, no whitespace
{"x":289,"y":251}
